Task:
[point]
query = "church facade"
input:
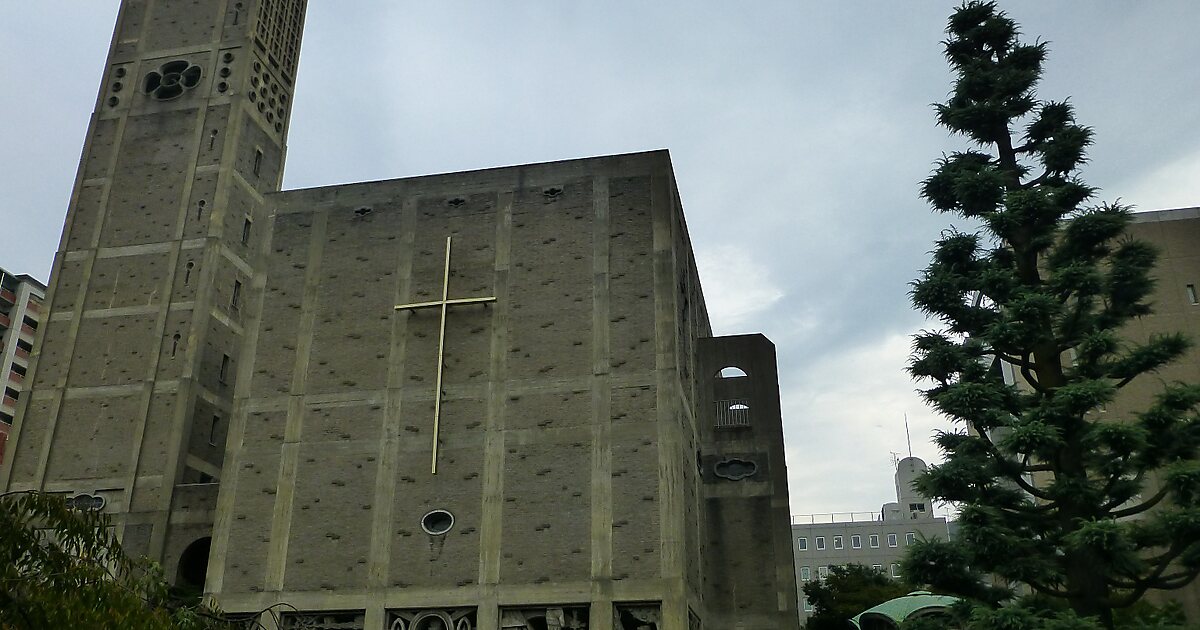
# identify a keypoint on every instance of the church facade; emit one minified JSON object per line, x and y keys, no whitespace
{"x":484,"y":399}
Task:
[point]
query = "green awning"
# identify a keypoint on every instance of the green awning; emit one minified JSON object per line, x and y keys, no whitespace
{"x":894,"y":611}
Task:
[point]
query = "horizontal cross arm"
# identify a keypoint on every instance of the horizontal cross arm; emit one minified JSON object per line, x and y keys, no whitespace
{"x":436,"y":303}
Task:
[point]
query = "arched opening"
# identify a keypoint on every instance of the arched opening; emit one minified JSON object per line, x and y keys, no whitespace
{"x":193,"y":566}
{"x":731,"y":371}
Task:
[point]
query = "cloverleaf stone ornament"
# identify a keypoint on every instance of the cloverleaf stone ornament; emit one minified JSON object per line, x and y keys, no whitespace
{"x":172,"y":79}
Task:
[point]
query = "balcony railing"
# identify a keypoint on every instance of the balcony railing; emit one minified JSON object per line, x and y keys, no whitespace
{"x":835,"y":517}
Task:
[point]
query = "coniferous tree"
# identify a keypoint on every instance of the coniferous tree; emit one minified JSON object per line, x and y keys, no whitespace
{"x":1094,"y":513}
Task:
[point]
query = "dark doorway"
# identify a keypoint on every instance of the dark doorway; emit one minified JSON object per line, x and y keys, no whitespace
{"x":193,"y":566}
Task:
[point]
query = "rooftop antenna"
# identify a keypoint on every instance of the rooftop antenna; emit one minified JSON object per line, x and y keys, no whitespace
{"x":907,"y":434}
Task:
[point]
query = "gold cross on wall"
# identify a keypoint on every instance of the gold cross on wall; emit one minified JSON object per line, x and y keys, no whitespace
{"x":443,"y":304}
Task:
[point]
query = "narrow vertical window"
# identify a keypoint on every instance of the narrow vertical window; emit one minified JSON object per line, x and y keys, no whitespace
{"x":223,"y":375}
{"x":212,"y":139}
{"x":802,"y":544}
{"x":212,"y":430}
{"x":175,"y":345}
{"x":910,"y":538}
{"x":891,"y":540}
{"x":1191,"y":292}
{"x":246,"y":225}
{"x":856,"y":542}
{"x":874,"y":541}
{"x":805,"y":574}
{"x":200,"y":209}
{"x":895,"y":570}
{"x":258,"y":156}
{"x":820,"y":543}
{"x":236,"y":298}
{"x":187,"y":272}
{"x":837,"y":542}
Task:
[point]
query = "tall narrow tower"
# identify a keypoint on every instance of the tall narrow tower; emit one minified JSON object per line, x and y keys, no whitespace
{"x":133,"y":385}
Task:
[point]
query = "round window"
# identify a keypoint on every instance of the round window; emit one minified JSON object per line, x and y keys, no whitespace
{"x":437,"y":522}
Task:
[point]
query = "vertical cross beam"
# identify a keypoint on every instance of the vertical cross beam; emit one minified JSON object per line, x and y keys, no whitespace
{"x":443,"y":305}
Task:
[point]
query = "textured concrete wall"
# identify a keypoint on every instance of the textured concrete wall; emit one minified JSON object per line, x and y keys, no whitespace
{"x":127,"y":379}
{"x":748,"y":568}
{"x":566,"y":437}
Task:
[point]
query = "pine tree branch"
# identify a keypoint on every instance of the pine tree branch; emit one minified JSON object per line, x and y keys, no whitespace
{"x":1112,"y":482}
{"x":1155,"y":579}
{"x":1146,"y":505}
{"x":1047,"y":590}
{"x":1027,"y":374}
{"x":1033,"y":490}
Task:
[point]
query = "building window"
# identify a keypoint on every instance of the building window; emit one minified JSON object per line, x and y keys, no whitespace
{"x":1191,"y":293}
{"x":733,"y":413}
{"x":236,"y":298}
{"x":916,"y":507}
{"x":874,"y":541}
{"x":856,"y":542}
{"x":837,"y":542}
{"x":807,"y":605}
{"x":910,"y":538}
{"x":246,"y":225}
{"x":258,"y":156}
{"x":822,"y":573}
{"x":878,"y":568}
{"x":175,"y":344}
{"x":223,"y":375}
{"x":895,"y":570}
{"x":820,"y":543}
{"x":212,"y":430}
{"x":891,"y":540}
{"x":805,"y":574}
{"x":802,"y":544}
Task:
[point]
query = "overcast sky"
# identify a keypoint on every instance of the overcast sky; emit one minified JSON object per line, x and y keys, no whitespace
{"x":799,"y":132}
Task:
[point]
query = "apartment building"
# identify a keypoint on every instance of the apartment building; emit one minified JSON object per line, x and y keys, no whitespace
{"x":21,"y":299}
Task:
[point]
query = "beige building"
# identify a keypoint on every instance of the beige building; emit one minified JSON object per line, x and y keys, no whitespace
{"x":20,"y":316}
{"x":874,"y":539}
{"x":1176,"y":303}
{"x":486,"y":399}
{"x":1176,"y":306}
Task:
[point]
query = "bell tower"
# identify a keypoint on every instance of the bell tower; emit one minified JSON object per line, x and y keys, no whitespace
{"x":132,"y":390}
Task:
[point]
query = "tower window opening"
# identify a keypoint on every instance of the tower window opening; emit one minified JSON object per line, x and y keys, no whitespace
{"x":223,"y":374}
{"x":1191,"y":293}
{"x":246,"y":225}
{"x":733,"y":413}
{"x":187,"y":272}
{"x":731,"y":372}
{"x":258,"y":157}
{"x":212,"y":139}
{"x":212,"y":430}
{"x":200,"y":209}
{"x":175,"y":344}
{"x":236,"y":298}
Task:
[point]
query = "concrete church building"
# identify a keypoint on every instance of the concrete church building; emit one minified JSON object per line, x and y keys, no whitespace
{"x":487,"y":399}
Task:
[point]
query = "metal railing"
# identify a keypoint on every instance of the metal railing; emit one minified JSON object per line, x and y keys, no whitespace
{"x":836,"y":517}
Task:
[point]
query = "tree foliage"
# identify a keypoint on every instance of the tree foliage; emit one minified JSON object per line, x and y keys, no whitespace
{"x":62,"y":568}
{"x":1094,"y":513}
{"x":848,"y":590}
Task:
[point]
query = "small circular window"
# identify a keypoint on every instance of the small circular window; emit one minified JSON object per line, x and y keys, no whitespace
{"x":437,"y":522}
